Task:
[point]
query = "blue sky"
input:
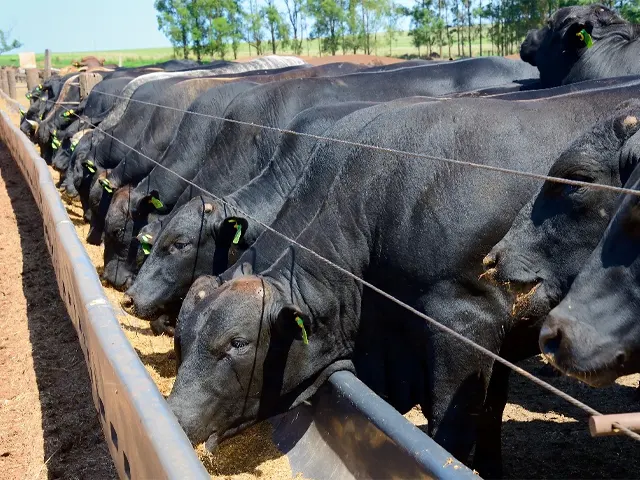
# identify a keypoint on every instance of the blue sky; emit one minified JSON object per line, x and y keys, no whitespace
{"x":89,"y":25}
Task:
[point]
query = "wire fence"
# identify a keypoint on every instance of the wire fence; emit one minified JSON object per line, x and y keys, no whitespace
{"x":618,"y":190}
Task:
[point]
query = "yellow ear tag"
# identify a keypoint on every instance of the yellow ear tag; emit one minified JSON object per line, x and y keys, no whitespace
{"x":90,"y":166}
{"x":300,"y":323}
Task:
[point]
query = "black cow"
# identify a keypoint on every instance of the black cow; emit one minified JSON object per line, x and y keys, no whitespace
{"x":241,"y":151}
{"x":557,"y":230}
{"x":68,"y":99}
{"x":583,"y":43}
{"x":41,"y":102}
{"x":208,"y":227}
{"x":164,"y":123}
{"x":98,"y":104}
{"x":129,"y":203}
{"x":416,"y":228}
{"x":594,"y":334}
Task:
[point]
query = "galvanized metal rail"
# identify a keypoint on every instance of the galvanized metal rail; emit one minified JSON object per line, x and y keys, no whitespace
{"x":346,"y":432}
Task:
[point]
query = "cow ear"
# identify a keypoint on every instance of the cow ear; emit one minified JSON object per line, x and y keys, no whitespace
{"x":231,"y":231}
{"x":292,"y":322}
{"x":149,"y":203}
{"x":578,"y":36}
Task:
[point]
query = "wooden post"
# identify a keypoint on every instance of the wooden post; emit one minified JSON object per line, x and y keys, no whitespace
{"x":87,"y":81}
{"x":47,"y":64}
{"x":603,"y":425}
{"x":11,"y":78}
{"x":4,"y":83}
{"x":33,"y":78}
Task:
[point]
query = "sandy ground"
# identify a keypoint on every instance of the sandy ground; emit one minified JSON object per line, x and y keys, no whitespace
{"x":48,"y":424}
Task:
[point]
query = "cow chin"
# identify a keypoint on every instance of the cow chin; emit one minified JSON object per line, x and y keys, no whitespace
{"x":533,"y":300}
{"x":596,"y":376}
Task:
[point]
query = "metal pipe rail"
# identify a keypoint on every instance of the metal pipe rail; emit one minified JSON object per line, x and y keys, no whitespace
{"x":346,"y":432}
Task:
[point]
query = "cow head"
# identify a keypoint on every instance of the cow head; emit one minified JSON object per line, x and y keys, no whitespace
{"x":245,"y":353}
{"x":594,"y":333}
{"x":556,"y":231}
{"x":556,"y":47}
{"x":128,"y":212}
{"x":100,"y":196}
{"x":194,"y":242}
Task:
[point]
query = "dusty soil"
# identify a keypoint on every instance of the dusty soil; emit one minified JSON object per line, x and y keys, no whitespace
{"x":48,"y":424}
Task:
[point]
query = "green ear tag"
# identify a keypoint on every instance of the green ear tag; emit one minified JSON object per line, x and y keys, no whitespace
{"x":146,"y":248}
{"x":40,"y":116}
{"x":73,"y":145}
{"x":106,"y":184}
{"x":90,"y":166}
{"x":585,"y":37}
{"x":156,"y":202}
{"x":22,"y":112}
{"x":236,"y":238}
{"x":146,"y":238}
{"x":28,"y":95}
{"x":55,"y":141}
{"x":305,"y":339}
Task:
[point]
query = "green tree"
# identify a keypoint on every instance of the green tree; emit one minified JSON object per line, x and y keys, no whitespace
{"x":253,"y":27}
{"x":174,"y":21}
{"x":423,"y":25}
{"x":352,"y":31}
{"x":295,"y":14}
{"x":328,"y":16}
{"x":373,"y":14}
{"x":631,"y":10}
{"x":277,"y":26}
{"x":391,"y":26}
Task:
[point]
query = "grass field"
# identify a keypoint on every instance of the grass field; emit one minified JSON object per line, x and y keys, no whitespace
{"x":401,"y":46}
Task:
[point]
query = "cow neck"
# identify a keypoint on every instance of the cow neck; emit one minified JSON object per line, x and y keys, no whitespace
{"x":330,"y":298}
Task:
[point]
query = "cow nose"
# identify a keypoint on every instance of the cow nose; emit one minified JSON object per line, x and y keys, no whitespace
{"x":127,"y":301}
{"x":550,"y":339}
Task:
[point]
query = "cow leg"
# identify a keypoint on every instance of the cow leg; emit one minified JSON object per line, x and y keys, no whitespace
{"x":487,"y":459}
{"x":457,"y":391}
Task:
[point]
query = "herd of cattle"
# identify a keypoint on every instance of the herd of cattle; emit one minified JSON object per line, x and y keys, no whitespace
{"x":196,"y":177}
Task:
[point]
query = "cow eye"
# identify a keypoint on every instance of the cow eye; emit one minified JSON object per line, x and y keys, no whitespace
{"x":179,"y":246}
{"x":569,"y":189}
{"x":239,"y":343}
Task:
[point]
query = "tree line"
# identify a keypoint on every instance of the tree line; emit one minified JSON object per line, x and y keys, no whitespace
{"x":448,"y":28}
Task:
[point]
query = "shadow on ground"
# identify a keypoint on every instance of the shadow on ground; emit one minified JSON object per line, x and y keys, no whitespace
{"x":73,"y":443}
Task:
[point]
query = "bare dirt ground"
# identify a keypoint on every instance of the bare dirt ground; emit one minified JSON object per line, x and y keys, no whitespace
{"x":48,"y":424}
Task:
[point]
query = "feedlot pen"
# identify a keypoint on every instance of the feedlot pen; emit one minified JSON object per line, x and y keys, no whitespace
{"x":543,"y":436}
